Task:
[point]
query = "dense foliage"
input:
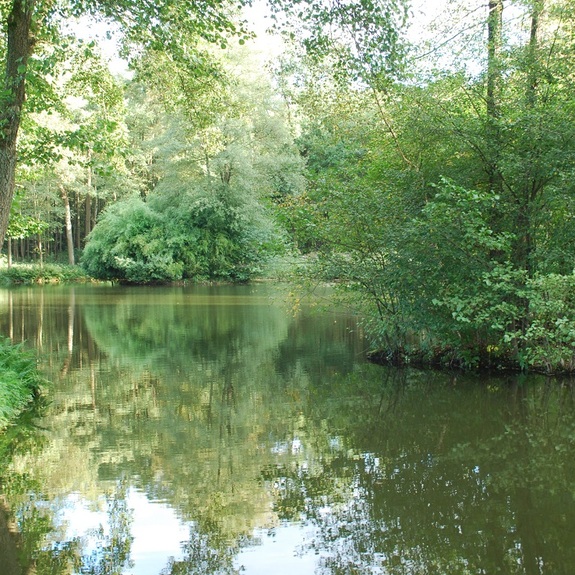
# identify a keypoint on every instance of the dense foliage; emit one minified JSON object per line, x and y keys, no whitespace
{"x":444,"y":203}
{"x":20,"y":381}
{"x":432,"y":179}
{"x":203,"y":239}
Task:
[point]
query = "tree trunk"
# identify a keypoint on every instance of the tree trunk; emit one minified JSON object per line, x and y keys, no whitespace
{"x":78,"y":222}
{"x":87,"y":216}
{"x":494,"y":42}
{"x":69,"y":235}
{"x":40,"y":248}
{"x":18,"y":49}
{"x":533,"y":50}
{"x":527,"y":195}
{"x":88,"y":205}
{"x":531,"y":190}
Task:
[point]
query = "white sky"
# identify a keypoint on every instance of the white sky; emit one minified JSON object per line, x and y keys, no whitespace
{"x":158,"y":534}
{"x":423,"y":12}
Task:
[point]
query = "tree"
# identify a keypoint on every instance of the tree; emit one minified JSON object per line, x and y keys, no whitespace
{"x":72,"y":147}
{"x":29,"y":22}
{"x":451,"y":195}
{"x":221,"y":154}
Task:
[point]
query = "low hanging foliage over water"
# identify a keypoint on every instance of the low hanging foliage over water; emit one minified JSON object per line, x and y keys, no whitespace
{"x":20,"y":381}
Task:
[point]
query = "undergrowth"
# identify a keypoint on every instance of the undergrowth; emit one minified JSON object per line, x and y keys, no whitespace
{"x":20,"y":381}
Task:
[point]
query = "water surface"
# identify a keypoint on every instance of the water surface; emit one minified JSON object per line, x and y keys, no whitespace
{"x":222,"y":430}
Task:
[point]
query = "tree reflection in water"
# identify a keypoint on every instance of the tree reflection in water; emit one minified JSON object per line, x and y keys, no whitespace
{"x":241,"y":419}
{"x":462,"y":496}
{"x":39,"y":543}
{"x":111,"y":555}
{"x":205,"y":553}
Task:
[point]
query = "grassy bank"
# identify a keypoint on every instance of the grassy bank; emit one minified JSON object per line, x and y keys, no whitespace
{"x":30,"y":274}
{"x":20,"y":381}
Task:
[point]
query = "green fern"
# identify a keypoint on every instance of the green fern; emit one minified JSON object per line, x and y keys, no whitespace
{"x":20,"y":381}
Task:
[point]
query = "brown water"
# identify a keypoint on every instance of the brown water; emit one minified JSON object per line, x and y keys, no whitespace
{"x":217,"y":430}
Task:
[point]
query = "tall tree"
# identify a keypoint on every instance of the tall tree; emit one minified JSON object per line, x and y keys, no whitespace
{"x":27,"y":22}
{"x":18,"y":49}
{"x":222,"y":151}
{"x":457,"y":255}
{"x":493,"y":95}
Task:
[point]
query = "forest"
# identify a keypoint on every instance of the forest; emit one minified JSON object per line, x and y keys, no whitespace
{"x":421,"y":161}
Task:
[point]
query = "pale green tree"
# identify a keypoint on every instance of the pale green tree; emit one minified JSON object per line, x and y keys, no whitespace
{"x":219,"y":151}
{"x":30,"y":23}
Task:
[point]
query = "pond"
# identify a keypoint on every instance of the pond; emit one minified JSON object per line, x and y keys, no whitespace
{"x":222,"y":430}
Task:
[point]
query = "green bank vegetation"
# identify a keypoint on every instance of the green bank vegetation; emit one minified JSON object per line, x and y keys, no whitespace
{"x":428,"y":174}
{"x":30,"y":274}
{"x":20,"y":381}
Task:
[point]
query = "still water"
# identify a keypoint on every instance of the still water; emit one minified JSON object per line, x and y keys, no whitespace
{"x":223,"y":430}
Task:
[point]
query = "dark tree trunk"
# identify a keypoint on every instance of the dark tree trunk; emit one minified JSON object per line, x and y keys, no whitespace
{"x":529,"y":194}
{"x":18,"y":49}
{"x":494,"y":42}
{"x":537,"y":8}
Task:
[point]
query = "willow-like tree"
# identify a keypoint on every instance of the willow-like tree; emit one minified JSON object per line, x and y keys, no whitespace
{"x":28,"y":23}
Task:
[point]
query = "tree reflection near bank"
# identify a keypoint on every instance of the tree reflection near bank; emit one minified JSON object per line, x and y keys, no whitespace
{"x":449,"y":493}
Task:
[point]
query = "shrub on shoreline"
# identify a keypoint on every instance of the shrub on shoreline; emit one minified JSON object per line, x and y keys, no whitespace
{"x":20,"y":381}
{"x":28,"y":274}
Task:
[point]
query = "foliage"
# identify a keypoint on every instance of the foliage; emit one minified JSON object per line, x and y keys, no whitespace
{"x":439,"y":192}
{"x":172,"y":28}
{"x":20,"y":381}
{"x":443,"y":287}
{"x":22,"y":227}
{"x":46,"y":274}
{"x":361,"y":38}
{"x":549,"y":340}
{"x":197,"y":238}
{"x":129,"y":244}
{"x":443,"y":205}
{"x":206,"y":214}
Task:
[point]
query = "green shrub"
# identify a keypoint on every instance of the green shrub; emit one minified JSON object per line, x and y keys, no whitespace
{"x":36,"y":274}
{"x":20,"y":381}
{"x":548,"y":342}
{"x":191,"y":237}
{"x":129,"y":243}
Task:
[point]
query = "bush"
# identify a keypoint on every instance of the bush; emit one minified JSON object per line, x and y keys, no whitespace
{"x":191,"y":237}
{"x":129,"y":244}
{"x":36,"y":274}
{"x":548,"y":342}
{"x":20,"y":381}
